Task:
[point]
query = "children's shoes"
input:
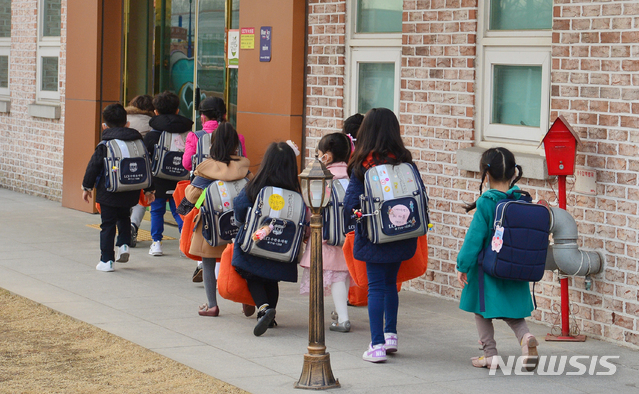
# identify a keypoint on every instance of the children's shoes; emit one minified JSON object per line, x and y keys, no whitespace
{"x":122,"y":254}
{"x":485,"y":362}
{"x":375,"y":354}
{"x":390,"y":342}
{"x":105,"y":266}
{"x":529,"y":350}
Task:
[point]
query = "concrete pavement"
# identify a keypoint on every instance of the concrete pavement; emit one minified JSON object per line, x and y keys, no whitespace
{"x":48,"y":254}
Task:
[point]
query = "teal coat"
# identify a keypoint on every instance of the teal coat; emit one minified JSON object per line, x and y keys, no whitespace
{"x":504,"y":298}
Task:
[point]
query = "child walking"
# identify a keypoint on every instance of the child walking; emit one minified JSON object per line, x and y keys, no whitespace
{"x":212,"y":114}
{"x":333,"y":150}
{"x":508,"y":300}
{"x":139,"y":113}
{"x":115,"y":208}
{"x":223,"y":165}
{"x":167,"y":108}
{"x":378,"y":142}
{"x":278,"y":169}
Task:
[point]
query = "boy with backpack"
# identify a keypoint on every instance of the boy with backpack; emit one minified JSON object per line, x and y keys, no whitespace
{"x":165,"y":142}
{"x":115,"y":205}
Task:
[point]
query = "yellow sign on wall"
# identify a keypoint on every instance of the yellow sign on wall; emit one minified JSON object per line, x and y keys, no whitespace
{"x":247,"y":38}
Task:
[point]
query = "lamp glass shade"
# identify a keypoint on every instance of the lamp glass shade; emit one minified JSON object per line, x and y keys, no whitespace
{"x":316,"y":182}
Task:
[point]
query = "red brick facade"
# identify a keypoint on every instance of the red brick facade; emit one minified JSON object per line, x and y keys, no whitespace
{"x":594,"y":84}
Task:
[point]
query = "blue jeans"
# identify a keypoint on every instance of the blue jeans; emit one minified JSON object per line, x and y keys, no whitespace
{"x":158,"y":209}
{"x":383,"y":300}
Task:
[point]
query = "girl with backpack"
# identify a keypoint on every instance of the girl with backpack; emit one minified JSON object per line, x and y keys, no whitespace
{"x":334,"y":151}
{"x":508,"y":300}
{"x":378,"y":142}
{"x":223,"y":165}
{"x":278,"y":169}
{"x":212,"y":114}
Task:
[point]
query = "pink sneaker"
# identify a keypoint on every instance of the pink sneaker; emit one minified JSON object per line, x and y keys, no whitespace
{"x":391,"y":342}
{"x":375,"y":354}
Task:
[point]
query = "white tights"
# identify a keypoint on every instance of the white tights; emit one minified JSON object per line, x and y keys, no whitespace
{"x":339,"y":290}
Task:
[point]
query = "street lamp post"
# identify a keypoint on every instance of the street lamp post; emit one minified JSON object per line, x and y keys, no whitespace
{"x":316,"y":182}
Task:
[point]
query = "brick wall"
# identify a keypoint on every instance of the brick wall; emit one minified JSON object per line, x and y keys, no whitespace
{"x":325,"y":80}
{"x":595,"y":85}
{"x":595,"y":82}
{"x":30,"y":148}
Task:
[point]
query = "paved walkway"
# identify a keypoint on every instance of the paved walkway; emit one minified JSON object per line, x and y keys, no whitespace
{"x":48,"y":254}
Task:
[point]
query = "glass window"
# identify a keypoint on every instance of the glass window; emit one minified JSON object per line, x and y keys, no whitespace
{"x":49,"y":74}
{"x":520,"y":14}
{"x":51,"y":18}
{"x":379,"y":16}
{"x":376,"y":86}
{"x":4,"y":71}
{"x":517,"y":95}
{"x":5,"y":18}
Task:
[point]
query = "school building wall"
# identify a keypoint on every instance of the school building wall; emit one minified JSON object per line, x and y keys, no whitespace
{"x":594,"y":84}
{"x":31,"y":147}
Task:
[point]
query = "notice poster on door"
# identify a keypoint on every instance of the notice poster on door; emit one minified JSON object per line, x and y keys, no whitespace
{"x":233,"y":50}
{"x":247,"y":38}
{"x":265,"y":43}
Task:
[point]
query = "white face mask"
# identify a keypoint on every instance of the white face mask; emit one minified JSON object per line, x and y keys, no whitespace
{"x":324,"y":158}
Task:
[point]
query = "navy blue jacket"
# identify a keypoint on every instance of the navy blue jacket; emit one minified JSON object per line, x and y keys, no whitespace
{"x":258,"y":266}
{"x":364,"y":249}
{"x":94,"y":175}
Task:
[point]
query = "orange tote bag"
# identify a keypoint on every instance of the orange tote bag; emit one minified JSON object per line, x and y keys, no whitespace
{"x":410,"y":269}
{"x":187,"y":234}
{"x":230,"y":284}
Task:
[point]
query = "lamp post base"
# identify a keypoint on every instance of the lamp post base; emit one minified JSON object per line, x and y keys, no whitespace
{"x":317,"y":373}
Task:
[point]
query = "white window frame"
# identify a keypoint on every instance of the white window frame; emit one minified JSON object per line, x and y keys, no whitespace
{"x":47,"y":47}
{"x":368,"y":48}
{"x":374,"y":55}
{"x":525,"y":47}
{"x":513,"y":56}
{"x":5,"y":50}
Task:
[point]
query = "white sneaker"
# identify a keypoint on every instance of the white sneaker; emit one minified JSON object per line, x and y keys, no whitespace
{"x":105,"y":267}
{"x":122,"y":254}
{"x":390,"y":342}
{"x":156,"y":248}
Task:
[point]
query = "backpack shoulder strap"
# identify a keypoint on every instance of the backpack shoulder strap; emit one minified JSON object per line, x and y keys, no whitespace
{"x":200,"y":133}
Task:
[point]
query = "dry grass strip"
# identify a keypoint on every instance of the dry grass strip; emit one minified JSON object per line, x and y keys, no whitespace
{"x":43,"y":351}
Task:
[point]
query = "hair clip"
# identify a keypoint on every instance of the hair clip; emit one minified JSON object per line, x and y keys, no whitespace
{"x":488,"y":165}
{"x":294,"y":147}
{"x":350,"y":137}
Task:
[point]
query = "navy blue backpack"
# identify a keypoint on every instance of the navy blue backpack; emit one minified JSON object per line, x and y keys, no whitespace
{"x":519,"y":242}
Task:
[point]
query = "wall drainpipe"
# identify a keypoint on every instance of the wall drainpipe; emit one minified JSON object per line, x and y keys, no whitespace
{"x":565,"y":255}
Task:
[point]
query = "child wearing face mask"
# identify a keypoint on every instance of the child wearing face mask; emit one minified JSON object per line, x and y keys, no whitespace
{"x":334,"y":150}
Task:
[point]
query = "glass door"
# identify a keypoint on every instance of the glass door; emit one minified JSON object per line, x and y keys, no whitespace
{"x":175,"y":26}
{"x":213,"y":78}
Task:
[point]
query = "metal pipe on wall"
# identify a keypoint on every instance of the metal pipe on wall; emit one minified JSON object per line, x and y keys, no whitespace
{"x":565,"y":254}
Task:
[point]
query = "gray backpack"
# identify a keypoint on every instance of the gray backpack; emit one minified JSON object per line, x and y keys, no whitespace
{"x":219,"y":226}
{"x":335,"y":225}
{"x":395,"y":203}
{"x":167,"y":157}
{"x":286,"y":212}
{"x":126,"y":166}
{"x":203,"y":148}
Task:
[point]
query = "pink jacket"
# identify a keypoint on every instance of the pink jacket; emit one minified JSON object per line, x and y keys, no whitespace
{"x":332,"y":255}
{"x":191,"y":144}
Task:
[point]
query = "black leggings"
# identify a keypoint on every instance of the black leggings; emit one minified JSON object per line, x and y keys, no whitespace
{"x":263,"y":291}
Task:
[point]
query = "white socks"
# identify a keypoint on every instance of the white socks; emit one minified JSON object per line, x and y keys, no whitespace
{"x":339,"y":290}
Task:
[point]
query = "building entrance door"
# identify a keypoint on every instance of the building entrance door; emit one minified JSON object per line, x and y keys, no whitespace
{"x":179,"y":45}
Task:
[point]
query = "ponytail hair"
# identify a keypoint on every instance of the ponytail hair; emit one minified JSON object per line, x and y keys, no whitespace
{"x":500,"y":164}
{"x":225,"y":143}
